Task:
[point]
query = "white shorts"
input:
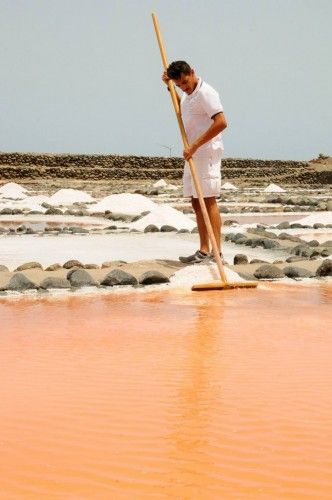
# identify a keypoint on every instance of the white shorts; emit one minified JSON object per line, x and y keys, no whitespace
{"x":208,"y":173}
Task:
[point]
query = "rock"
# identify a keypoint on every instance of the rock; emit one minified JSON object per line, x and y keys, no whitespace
{"x":55,"y":282}
{"x":151,"y":228}
{"x":326,"y":252}
{"x":91,"y":266}
{"x":296,"y":225}
{"x":269,"y":271}
{"x":6,"y":211}
{"x":326,"y":243}
{"x":297,"y":272}
{"x":295,"y":258}
{"x":167,"y":229}
{"x":21,"y":229}
{"x":152,"y":278}
{"x":240,"y":258}
{"x":313,"y":243}
{"x":258,"y":261}
{"x":318,"y":225}
{"x":19,"y":282}
{"x":119,"y":277}
{"x":290,"y":237}
{"x":3,"y":268}
{"x":283,"y":225}
{"x":29,"y":265}
{"x":113,"y":263}
{"x":53,"y":211}
{"x":80,"y":277}
{"x":246,"y":276}
{"x":238,"y":236}
{"x":329,"y":205}
{"x":302,"y":251}
{"x":325,"y":269}
{"x":78,"y":230}
{"x":230,"y":222}
{"x":194,"y":230}
{"x":268,"y":244}
{"x":29,"y":230}
{"x":183,"y":231}
{"x":72,"y":263}
{"x":53,"y":267}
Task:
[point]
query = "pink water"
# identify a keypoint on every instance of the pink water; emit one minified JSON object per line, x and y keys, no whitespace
{"x":204,"y":395}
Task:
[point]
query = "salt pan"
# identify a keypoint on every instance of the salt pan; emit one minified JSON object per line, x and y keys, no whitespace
{"x":12,"y":190}
{"x":126,"y":203}
{"x":160,"y":183}
{"x":228,"y":185}
{"x":317,"y":217}
{"x":164,"y":215}
{"x":274,"y":188}
{"x":192,"y":275}
{"x":70,"y":196}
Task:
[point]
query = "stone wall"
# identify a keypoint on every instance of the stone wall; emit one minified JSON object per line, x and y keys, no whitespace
{"x":14,"y":166}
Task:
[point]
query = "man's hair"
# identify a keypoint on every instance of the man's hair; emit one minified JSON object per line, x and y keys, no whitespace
{"x":176,"y":68}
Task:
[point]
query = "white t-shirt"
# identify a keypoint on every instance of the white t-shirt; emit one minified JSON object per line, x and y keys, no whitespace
{"x":197,"y":110}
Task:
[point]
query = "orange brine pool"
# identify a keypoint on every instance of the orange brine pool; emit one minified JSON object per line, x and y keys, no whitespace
{"x":205,"y":395}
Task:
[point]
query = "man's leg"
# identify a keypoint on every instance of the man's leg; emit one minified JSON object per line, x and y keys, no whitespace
{"x":215,"y":219}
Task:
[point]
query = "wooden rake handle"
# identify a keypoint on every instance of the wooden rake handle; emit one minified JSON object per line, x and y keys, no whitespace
{"x":191,"y":161}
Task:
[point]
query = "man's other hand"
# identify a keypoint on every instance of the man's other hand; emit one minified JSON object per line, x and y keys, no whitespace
{"x":189,"y":151}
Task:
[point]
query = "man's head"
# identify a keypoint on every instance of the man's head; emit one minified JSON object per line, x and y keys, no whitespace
{"x":183,"y":76}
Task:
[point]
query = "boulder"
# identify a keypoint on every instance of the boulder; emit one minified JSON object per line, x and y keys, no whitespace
{"x":29,"y":265}
{"x":3,"y":268}
{"x":91,"y":266}
{"x":53,"y":211}
{"x":19,"y":282}
{"x":119,"y":277}
{"x":152,"y":278}
{"x":325,"y":269}
{"x":53,"y":267}
{"x":80,"y":277}
{"x":283,"y":225}
{"x":78,"y":230}
{"x":72,"y":263}
{"x":167,"y":228}
{"x":240,"y":258}
{"x":151,"y":228}
{"x":297,"y":272}
{"x":269,"y":271}
{"x":55,"y":282}
{"x":313,"y":243}
{"x":268,"y":244}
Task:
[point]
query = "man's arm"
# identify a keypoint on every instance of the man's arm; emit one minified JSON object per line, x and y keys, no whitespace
{"x":219,"y":124}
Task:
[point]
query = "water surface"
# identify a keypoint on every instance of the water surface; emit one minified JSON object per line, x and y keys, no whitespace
{"x":168,"y":395}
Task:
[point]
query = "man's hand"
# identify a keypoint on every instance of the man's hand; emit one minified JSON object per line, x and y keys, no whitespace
{"x":189,"y":151}
{"x":165,"y":78}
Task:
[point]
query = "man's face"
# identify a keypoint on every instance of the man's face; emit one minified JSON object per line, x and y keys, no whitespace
{"x":187,"y":83}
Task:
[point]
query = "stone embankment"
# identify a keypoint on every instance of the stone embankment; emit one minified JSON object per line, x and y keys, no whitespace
{"x":14,"y":166}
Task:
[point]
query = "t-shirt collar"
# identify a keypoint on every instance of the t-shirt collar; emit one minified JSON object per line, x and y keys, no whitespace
{"x":198,"y":86}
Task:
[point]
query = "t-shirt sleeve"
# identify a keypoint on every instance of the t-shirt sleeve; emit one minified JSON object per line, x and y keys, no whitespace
{"x":211,"y":102}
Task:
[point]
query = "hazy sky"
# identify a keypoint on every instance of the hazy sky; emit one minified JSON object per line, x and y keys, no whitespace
{"x":84,"y":75}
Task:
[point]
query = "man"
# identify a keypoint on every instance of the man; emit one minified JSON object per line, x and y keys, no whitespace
{"x":204,"y":120}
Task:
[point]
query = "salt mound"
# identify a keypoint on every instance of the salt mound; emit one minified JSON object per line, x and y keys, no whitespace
{"x":228,"y":185}
{"x":317,"y":217}
{"x":193,"y":275}
{"x":160,"y":183}
{"x":162,"y":215}
{"x":12,"y":190}
{"x":70,"y":196}
{"x":274,"y":188}
{"x":126,"y":203}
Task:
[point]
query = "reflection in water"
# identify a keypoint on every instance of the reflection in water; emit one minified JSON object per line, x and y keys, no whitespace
{"x":168,"y":395}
